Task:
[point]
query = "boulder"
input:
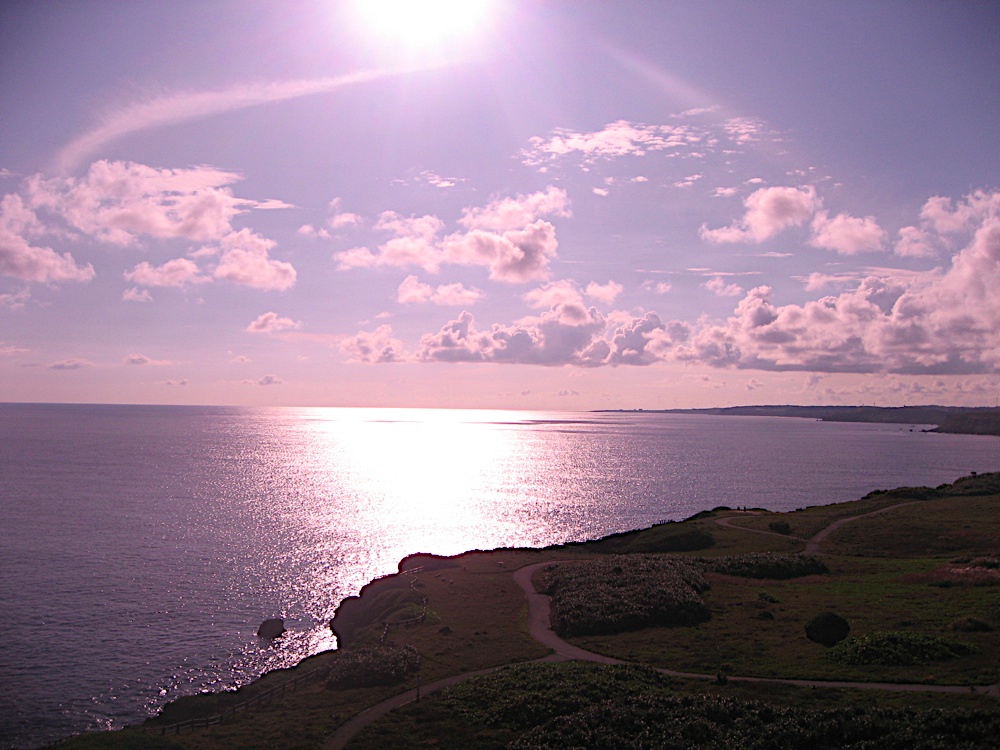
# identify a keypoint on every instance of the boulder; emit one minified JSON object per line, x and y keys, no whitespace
{"x":272,"y":628}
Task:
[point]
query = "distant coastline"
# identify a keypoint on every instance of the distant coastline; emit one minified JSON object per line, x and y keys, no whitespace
{"x":982,"y":420}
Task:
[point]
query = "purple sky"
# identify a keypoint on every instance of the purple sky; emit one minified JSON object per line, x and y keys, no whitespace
{"x":553,"y":205}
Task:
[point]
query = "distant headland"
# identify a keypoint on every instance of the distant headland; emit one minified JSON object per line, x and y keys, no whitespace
{"x":983,"y":420}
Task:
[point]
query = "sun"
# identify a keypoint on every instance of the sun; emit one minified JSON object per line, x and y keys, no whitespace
{"x":423,"y":23}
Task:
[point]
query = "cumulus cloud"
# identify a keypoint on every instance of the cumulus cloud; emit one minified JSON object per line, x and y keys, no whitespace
{"x":245,"y":260}
{"x":374,"y":347}
{"x":117,"y":202}
{"x":507,"y":236}
{"x":142,"y":359}
{"x":768,"y":211}
{"x":413,"y":291}
{"x":659,"y":287}
{"x":718,"y":286}
{"x":604,"y":292}
{"x":616,"y":139}
{"x":270,"y":322}
{"x":337,"y":221}
{"x":269,"y":380}
{"x":22,"y":260}
{"x":847,"y":235}
{"x":135,"y":294}
{"x":70,"y":364}
{"x":174,"y":273}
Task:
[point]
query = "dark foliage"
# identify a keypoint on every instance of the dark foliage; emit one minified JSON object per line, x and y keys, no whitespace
{"x":624,"y":592}
{"x":827,"y":628}
{"x":897,"y":648}
{"x":766,"y":565}
{"x":387,"y":664}
{"x":780,"y":527}
{"x":715,"y":723}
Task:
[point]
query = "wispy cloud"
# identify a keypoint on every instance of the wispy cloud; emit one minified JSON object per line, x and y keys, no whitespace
{"x":182,"y":106}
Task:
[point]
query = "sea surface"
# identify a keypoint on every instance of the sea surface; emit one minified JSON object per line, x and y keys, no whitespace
{"x":142,"y":546}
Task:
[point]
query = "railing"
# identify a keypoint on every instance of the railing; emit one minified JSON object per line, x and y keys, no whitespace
{"x":264,"y":697}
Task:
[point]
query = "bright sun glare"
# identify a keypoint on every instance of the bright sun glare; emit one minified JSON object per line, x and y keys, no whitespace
{"x":423,"y":23}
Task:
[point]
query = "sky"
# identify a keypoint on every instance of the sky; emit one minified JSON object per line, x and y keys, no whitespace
{"x":540,"y":205}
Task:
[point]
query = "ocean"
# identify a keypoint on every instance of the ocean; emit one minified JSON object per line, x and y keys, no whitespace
{"x":143,"y":545}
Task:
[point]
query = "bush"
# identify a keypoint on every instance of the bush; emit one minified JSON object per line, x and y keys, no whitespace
{"x":624,"y":592}
{"x":666,"y":539}
{"x":827,"y":628}
{"x":893,"y":648}
{"x":766,"y":565}
{"x":780,"y":527}
{"x":971,"y":625}
{"x":387,"y":664}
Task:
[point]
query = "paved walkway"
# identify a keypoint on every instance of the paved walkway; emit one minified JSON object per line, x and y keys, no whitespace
{"x":540,"y":628}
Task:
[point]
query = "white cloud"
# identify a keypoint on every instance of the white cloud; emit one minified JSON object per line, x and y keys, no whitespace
{"x":22,"y":260}
{"x":182,"y":106}
{"x":70,"y":364}
{"x":616,"y":139}
{"x":769,"y":211}
{"x":142,"y":359}
{"x":270,"y":322}
{"x":659,"y":287}
{"x":718,"y":286}
{"x":117,"y":202}
{"x":507,"y":236}
{"x":246,"y":260}
{"x":847,"y":235}
{"x":603,"y":192}
{"x":412,"y":291}
{"x":174,"y":273}
{"x":604,"y":292}
{"x":374,"y":347}
{"x":135,"y":294}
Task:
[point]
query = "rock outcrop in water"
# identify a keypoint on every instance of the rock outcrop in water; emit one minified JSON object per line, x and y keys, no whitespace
{"x":271,"y":629}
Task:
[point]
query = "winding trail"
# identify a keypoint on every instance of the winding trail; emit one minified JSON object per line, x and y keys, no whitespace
{"x":540,"y":628}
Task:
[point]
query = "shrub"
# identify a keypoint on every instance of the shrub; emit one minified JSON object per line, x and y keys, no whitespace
{"x":667,"y":539}
{"x":767,"y":565}
{"x":971,"y":625}
{"x":780,"y":527}
{"x":624,"y":592}
{"x":827,"y":628}
{"x":387,"y":664}
{"x":893,"y":648}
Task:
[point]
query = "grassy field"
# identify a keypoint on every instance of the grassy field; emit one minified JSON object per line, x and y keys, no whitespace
{"x":929,"y":567}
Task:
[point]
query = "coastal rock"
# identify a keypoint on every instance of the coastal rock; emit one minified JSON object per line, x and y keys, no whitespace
{"x":272,"y":628}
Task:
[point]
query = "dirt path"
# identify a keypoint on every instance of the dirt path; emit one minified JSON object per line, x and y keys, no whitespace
{"x":540,"y":628}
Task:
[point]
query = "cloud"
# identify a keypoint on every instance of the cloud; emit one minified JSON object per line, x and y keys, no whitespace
{"x":117,"y":202}
{"x":142,"y":359}
{"x":507,"y":236}
{"x":183,"y":106}
{"x":9,"y":350}
{"x":604,"y":292}
{"x":374,"y":347}
{"x":70,"y":364}
{"x":269,"y":322}
{"x":847,"y":235}
{"x":174,"y":273}
{"x":616,"y":139}
{"x":603,"y":192}
{"x":337,"y":220}
{"x":769,"y":211}
{"x":22,"y":260}
{"x":659,"y":287}
{"x":135,"y":294}
{"x":412,"y":291}
{"x":718,"y":286}
{"x":245,"y":260}
{"x":269,"y":380}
